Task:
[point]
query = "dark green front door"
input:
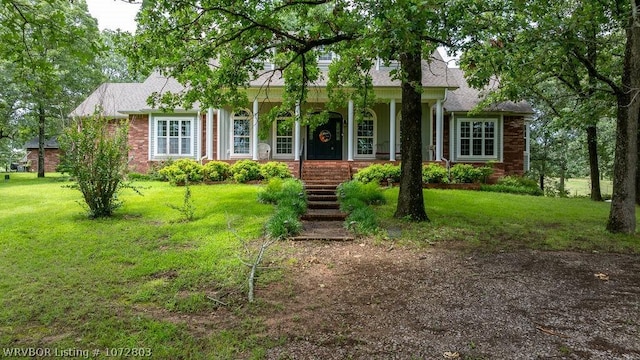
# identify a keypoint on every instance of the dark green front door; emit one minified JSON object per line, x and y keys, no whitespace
{"x":325,"y":143}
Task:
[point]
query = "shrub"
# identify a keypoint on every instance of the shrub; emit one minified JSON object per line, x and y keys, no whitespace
{"x":465,"y":174}
{"x":96,"y":155}
{"x":362,"y":220}
{"x":217,"y":171}
{"x":434,"y":174}
{"x":274,"y":169}
{"x":283,"y":223}
{"x":245,"y":170}
{"x":183,"y":170}
{"x":355,"y":198}
{"x":514,"y":185}
{"x":138,"y":176}
{"x":378,"y":173}
{"x":368,"y":193}
{"x":156,"y":166}
{"x":290,"y":200}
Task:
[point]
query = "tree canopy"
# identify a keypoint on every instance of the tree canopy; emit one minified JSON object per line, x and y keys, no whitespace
{"x":216,"y":47}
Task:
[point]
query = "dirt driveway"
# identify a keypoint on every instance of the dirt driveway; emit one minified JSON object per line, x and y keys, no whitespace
{"x":362,"y":301}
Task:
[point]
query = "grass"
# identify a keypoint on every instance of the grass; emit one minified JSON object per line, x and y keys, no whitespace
{"x":496,"y":221}
{"x":67,"y":281}
{"x":582,"y":187}
{"x":144,"y":277}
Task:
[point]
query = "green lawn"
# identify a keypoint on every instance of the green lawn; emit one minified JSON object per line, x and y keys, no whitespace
{"x":67,"y":281}
{"x":582,"y":187}
{"x":135,"y":280}
{"x":496,"y":221}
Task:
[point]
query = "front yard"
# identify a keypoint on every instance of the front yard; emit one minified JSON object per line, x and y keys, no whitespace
{"x":145,"y":280}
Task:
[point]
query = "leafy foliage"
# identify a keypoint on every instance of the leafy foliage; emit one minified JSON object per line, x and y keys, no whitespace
{"x":355,"y":198}
{"x":217,"y":171}
{"x":289,"y":197}
{"x":433,"y":173}
{"x":182,"y":171}
{"x":187,"y":209}
{"x":244,"y":171}
{"x":514,"y":185}
{"x":378,"y":173}
{"x":96,"y":156}
{"x":275,"y":169}
{"x":465,"y":174}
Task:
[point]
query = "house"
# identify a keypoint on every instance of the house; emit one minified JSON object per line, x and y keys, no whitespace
{"x":51,"y":154}
{"x":449,"y":134}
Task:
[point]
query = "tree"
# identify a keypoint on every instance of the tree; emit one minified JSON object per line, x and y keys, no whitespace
{"x":96,"y":154}
{"x":112,"y":60}
{"x":579,"y":44}
{"x":217,"y":47}
{"x":51,"y":47}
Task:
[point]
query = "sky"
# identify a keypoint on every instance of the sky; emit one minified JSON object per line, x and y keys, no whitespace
{"x":114,"y":14}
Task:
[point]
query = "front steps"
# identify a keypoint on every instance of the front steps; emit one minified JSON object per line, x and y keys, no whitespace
{"x":323,"y":219}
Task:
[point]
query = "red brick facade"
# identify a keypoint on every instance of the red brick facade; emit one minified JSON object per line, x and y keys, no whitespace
{"x":139,"y":143}
{"x":513,"y":147}
{"x":51,"y":159}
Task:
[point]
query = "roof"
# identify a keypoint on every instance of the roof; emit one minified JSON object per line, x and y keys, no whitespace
{"x":116,"y":100}
{"x":466,"y":98}
{"x":434,"y":75}
{"x":51,"y":143}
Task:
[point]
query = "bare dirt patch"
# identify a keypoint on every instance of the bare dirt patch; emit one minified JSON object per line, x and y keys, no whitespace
{"x":359,"y":300}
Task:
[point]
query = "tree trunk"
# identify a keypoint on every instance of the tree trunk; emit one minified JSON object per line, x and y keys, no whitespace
{"x":410,"y":198}
{"x":622,"y":217}
{"x":594,"y":169}
{"x":41,"y":125}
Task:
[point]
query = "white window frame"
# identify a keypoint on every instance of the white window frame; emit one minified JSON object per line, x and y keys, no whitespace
{"x":322,"y":52}
{"x":181,"y":138}
{"x":495,"y":138}
{"x":249,"y":118}
{"x":281,"y":155}
{"x":372,"y":117}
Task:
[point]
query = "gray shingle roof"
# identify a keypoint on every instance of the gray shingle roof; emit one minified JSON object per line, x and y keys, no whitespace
{"x":51,"y":143}
{"x":465,"y":98}
{"x":116,"y":100}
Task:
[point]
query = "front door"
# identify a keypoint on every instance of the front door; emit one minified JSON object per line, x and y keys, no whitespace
{"x":325,"y":143}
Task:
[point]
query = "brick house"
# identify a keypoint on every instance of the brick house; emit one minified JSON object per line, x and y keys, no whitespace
{"x":450,"y":133}
{"x":51,"y":154}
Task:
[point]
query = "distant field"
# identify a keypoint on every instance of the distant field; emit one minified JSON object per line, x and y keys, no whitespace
{"x":582,"y":187}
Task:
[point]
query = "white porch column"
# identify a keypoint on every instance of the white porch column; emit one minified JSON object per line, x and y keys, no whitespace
{"x":218,"y":134}
{"x":254,"y":140}
{"x":296,"y":135}
{"x":439,"y":123}
{"x":198,"y":134}
{"x":392,"y":130}
{"x":350,"y":132}
{"x":209,"y":134}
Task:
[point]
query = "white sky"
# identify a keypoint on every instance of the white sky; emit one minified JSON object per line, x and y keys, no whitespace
{"x":114,"y":14}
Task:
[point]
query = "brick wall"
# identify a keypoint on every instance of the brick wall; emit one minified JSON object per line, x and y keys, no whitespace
{"x":139,"y":143}
{"x":51,"y":159}
{"x":514,"y":145}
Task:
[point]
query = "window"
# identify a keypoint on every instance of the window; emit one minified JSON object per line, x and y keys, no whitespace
{"x":478,"y":138}
{"x":174,"y":137}
{"x":242,"y":133}
{"x":324,"y":55}
{"x":284,"y":135}
{"x":365,"y":134}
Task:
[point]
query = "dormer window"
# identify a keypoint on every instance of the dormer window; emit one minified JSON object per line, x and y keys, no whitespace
{"x":324,"y":55}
